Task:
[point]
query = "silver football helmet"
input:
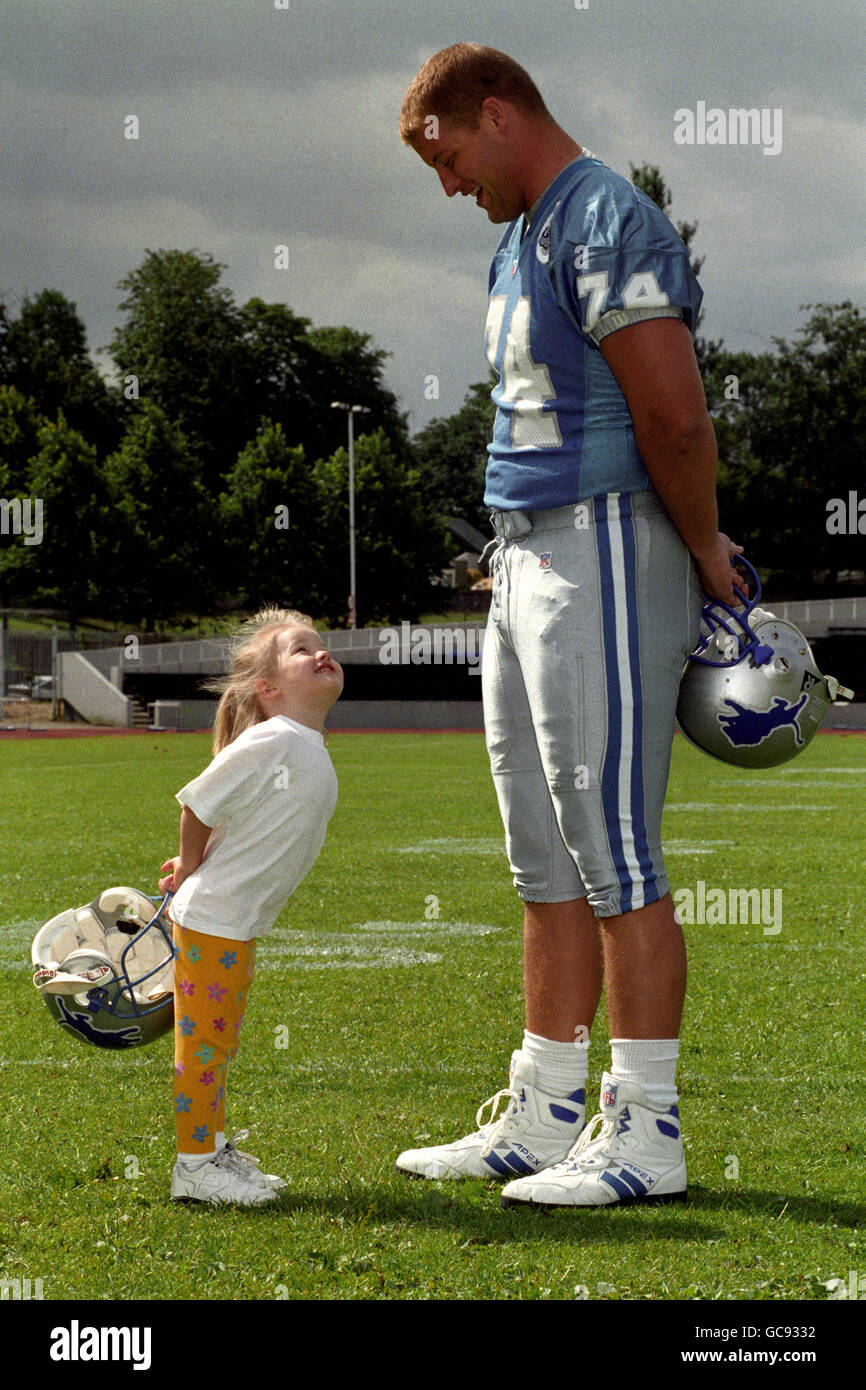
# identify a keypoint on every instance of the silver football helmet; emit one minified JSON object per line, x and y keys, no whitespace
{"x":106,"y":971}
{"x":751,"y":693}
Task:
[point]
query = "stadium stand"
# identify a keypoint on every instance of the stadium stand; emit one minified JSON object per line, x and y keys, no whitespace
{"x":411,"y":676}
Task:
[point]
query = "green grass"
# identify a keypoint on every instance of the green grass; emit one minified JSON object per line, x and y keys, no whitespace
{"x":396,"y":1032}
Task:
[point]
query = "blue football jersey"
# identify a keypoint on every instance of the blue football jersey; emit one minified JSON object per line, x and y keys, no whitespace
{"x":598,"y":255}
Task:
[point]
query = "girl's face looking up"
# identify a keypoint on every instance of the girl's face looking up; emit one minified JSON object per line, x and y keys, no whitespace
{"x":306,"y":680}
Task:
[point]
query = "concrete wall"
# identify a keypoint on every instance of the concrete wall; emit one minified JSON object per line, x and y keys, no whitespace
{"x":184,"y":714}
{"x":90,"y":693}
{"x":820,"y":617}
{"x":406,"y":714}
{"x":349,"y":714}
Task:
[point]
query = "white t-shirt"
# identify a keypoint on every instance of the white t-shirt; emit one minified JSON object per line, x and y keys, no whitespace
{"x":269,"y":796}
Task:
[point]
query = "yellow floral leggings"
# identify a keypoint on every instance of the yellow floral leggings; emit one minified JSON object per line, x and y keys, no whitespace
{"x":212,"y":976}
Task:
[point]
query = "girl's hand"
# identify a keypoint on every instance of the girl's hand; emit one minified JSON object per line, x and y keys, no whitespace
{"x":175,"y":875}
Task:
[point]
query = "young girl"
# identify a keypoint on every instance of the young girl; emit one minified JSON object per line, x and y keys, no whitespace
{"x":251,"y":828}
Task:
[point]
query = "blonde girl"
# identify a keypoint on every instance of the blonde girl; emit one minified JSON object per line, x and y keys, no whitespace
{"x":251,"y":827}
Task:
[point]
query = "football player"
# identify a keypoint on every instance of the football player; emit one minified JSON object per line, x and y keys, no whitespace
{"x":601,"y":484}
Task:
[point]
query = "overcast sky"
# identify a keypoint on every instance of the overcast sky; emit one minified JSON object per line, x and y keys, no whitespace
{"x":261,"y":126}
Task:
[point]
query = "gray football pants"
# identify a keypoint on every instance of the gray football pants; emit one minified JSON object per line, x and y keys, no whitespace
{"x":595,"y":608}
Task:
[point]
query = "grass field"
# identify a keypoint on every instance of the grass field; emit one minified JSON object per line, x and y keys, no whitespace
{"x":375,"y":1025}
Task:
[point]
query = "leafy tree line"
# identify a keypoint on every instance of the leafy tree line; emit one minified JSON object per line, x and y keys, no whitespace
{"x":214,"y":474}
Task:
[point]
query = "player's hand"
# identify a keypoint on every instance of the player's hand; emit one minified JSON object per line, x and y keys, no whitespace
{"x":717,"y":576}
{"x":174,"y":875}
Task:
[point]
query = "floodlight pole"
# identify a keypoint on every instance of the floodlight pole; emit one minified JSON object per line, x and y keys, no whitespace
{"x":352,"y":411}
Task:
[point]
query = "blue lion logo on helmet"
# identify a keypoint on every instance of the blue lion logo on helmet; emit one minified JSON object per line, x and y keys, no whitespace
{"x":80,"y":1023}
{"x":746,"y":728}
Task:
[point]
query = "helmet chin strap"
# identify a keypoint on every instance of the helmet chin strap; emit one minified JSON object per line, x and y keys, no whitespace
{"x":52,"y":981}
{"x":837,"y":691}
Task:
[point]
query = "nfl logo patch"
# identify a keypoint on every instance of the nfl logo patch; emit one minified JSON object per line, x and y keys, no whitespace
{"x":608,"y":1095}
{"x":544,"y":560}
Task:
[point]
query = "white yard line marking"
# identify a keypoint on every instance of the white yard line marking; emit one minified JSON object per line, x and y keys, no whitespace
{"x":742,"y":806}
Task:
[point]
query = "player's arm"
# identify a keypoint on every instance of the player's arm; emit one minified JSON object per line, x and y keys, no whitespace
{"x":194,"y":836}
{"x":656,"y":369}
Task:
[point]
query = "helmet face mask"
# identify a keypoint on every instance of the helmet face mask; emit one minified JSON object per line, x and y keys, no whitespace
{"x":751,"y":693}
{"x":106,"y":970}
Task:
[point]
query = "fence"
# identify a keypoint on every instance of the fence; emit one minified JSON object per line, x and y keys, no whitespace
{"x":28,"y":654}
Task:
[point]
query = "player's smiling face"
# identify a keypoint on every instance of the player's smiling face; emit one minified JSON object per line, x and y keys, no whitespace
{"x":474,"y":163}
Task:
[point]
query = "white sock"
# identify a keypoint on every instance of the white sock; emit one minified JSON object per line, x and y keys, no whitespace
{"x":220,"y":1139}
{"x":194,"y":1161}
{"x":560,"y":1067}
{"x":647,"y":1062}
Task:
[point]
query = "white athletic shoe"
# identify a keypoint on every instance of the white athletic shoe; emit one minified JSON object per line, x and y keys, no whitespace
{"x":225,"y":1178}
{"x":275,"y":1182}
{"x":534,"y":1131}
{"x":636,"y":1157}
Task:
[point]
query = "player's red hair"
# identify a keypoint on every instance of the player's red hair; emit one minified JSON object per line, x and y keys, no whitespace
{"x":453,"y":84}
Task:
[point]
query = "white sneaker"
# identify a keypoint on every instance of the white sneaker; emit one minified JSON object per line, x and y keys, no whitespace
{"x":534,"y":1131}
{"x":275,"y":1182}
{"x":636,"y":1157}
{"x":225,"y":1178}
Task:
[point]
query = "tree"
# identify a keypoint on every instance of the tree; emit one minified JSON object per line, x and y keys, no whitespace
{"x":62,"y":571}
{"x":278,"y":352}
{"x":399,"y":545}
{"x":451,"y":457}
{"x":343,"y":366}
{"x":297,"y":371}
{"x":217,"y":370}
{"x":44,"y":355}
{"x":791,"y":442}
{"x":20,"y":423}
{"x":183,"y":342}
{"x":161,"y":553}
{"x":6,"y":366}
{"x":268,"y":517}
